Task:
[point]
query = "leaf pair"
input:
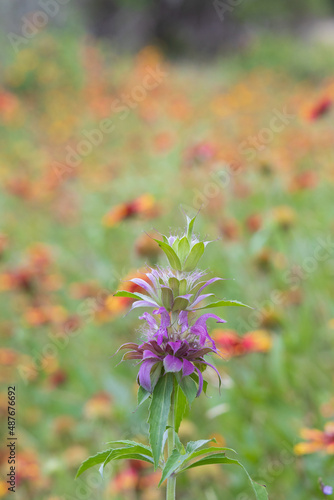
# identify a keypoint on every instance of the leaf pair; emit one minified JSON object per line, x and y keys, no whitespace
{"x":123,"y":449}
{"x":180,"y":461}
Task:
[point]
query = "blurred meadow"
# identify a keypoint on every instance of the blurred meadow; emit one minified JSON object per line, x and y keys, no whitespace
{"x":102,"y":148}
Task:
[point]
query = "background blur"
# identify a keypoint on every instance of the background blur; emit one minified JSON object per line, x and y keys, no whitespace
{"x":112,"y":117}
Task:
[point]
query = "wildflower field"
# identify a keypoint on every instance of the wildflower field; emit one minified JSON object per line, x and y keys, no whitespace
{"x":100,"y":150}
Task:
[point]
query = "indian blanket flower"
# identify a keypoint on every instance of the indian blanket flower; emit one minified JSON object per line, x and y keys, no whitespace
{"x":316,"y":440}
{"x":143,"y":205}
{"x":231,"y":344}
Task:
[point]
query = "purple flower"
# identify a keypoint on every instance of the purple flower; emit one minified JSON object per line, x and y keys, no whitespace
{"x":327,"y":490}
{"x":172,"y":356}
{"x":175,"y":339}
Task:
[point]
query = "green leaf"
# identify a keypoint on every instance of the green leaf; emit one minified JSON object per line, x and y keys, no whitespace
{"x":99,"y":458}
{"x":159,"y":410}
{"x":220,"y":458}
{"x":123,"y":453}
{"x":194,"y":256}
{"x":180,"y":304}
{"x":170,"y":254}
{"x":204,"y":451}
{"x":183,"y":286}
{"x":183,"y":248}
{"x":174,"y":461}
{"x":124,"y":293}
{"x":129,"y":443}
{"x":190,"y":226}
{"x":175,"y":286}
{"x":188,"y":387}
{"x":194,"y":445}
{"x":181,"y":407}
{"x":142,"y":395}
{"x":222,"y":303}
{"x":167,"y":297}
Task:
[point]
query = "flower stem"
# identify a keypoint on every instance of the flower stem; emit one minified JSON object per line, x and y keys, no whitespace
{"x":171,"y":481}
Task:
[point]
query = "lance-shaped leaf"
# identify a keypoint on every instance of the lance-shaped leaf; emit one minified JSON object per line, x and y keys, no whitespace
{"x":167,"y":297}
{"x":174,"y":285}
{"x":178,"y":459}
{"x":170,"y":254}
{"x":190,"y":226}
{"x":181,"y":407}
{"x":97,"y":459}
{"x":174,"y":461}
{"x":222,"y":303}
{"x":130,"y":295}
{"x":220,"y":458}
{"x":142,"y":395}
{"x":188,"y":387}
{"x":159,"y":410}
{"x":194,"y":256}
{"x":183,"y":248}
{"x":181,"y":303}
{"x":142,"y":452}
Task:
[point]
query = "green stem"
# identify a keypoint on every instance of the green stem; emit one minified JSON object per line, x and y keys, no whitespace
{"x":171,"y":481}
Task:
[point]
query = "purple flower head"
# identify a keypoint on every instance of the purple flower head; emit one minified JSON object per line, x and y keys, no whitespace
{"x":327,"y":490}
{"x":172,"y":347}
{"x":175,"y":336}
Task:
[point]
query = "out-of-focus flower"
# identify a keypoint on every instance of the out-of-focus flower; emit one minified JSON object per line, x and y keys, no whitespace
{"x":305,"y":180}
{"x":74,"y":455}
{"x":200,"y":153}
{"x":99,"y":406}
{"x":3,"y":488}
{"x":230,"y":229}
{"x":327,"y":409}
{"x":117,"y":305}
{"x":144,"y":205}
{"x":44,"y":315}
{"x":135,"y":478}
{"x":316,"y":440}
{"x":145,"y":246}
{"x":321,"y":108}
{"x":3,"y":244}
{"x":85,"y":290}
{"x":63,"y":425}
{"x":270,"y":318}
{"x":327,"y":490}
{"x":254,"y":223}
{"x":231,"y":344}
{"x":59,"y":377}
{"x":284,"y":216}
{"x":28,"y":469}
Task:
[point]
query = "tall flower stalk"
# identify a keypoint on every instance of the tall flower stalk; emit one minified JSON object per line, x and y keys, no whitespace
{"x":173,"y":357}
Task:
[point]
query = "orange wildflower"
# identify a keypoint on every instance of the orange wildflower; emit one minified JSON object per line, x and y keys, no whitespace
{"x":231,"y":344}
{"x":144,"y":205}
{"x":316,"y":440}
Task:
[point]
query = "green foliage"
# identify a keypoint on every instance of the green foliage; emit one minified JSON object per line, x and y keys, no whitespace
{"x":159,"y":411}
